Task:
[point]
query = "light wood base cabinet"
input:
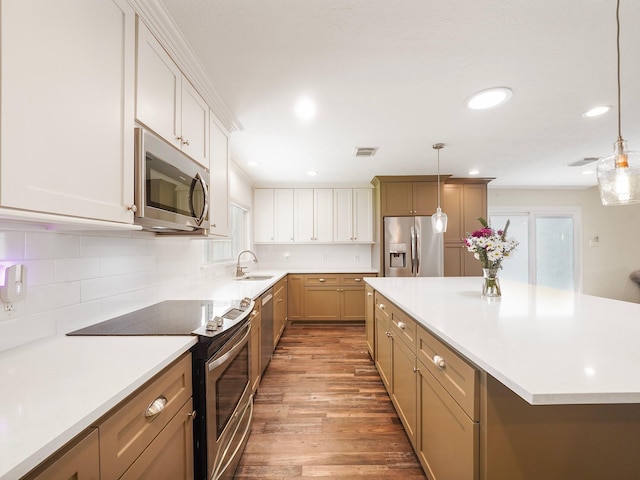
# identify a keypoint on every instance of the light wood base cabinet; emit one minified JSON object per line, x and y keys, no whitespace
{"x":280,"y":296}
{"x":334,"y":297}
{"x":295,"y":297}
{"x":78,"y":461}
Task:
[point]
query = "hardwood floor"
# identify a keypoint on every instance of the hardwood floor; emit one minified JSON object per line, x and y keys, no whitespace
{"x":322,"y":412}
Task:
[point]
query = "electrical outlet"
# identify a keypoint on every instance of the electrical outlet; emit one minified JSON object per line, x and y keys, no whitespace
{"x":8,"y":307}
{"x":10,"y":310}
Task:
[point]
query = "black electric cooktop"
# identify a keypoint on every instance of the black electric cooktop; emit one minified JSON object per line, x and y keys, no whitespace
{"x":172,"y":317}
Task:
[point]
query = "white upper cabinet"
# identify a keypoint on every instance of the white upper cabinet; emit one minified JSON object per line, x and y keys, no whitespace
{"x":273,"y":215}
{"x":353,"y":215}
{"x":219,"y":179}
{"x":313,"y":215}
{"x":166,"y":102}
{"x":67,"y":106}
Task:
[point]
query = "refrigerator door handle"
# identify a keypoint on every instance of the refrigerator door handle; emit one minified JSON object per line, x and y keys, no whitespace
{"x":413,"y":249}
{"x":418,"y":250}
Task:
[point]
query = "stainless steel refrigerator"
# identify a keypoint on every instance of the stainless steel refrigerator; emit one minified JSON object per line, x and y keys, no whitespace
{"x":411,"y":248}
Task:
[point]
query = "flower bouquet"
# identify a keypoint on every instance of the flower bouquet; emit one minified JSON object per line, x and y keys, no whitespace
{"x":491,"y":247}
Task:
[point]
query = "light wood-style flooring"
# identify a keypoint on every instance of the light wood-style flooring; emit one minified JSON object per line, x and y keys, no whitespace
{"x":322,"y":412}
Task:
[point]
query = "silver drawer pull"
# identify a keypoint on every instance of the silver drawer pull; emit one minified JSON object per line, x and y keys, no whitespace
{"x":369,"y":294}
{"x":358,"y":279}
{"x":156,"y":406}
{"x":321,"y":280}
{"x":439,"y":361}
{"x":401,"y":325}
{"x":381,"y":306}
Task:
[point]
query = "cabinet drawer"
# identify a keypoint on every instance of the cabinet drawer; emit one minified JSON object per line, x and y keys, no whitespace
{"x":127,"y":432}
{"x":458,"y":378}
{"x":330,"y":279}
{"x":383,"y":306}
{"x":403,"y":328}
{"x":354,"y":278}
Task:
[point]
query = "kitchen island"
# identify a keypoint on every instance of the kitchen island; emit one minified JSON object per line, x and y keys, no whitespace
{"x":543,"y":382}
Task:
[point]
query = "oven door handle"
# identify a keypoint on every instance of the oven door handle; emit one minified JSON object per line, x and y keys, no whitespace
{"x":213,"y":364}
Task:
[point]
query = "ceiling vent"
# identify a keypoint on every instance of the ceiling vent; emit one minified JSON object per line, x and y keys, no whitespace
{"x":584,"y":161}
{"x":364,"y":151}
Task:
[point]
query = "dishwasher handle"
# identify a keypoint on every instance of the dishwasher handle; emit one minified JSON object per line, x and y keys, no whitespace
{"x":267,"y":298}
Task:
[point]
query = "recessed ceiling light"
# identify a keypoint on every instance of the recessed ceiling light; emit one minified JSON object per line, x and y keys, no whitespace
{"x":474,"y":172}
{"x":597,"y":111}
{"x":489,"y":98}
{"x":305,"y":108}
{"x":312,"y":173}
{"x":252,"y":163}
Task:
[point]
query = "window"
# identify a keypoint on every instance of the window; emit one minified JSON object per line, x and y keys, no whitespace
{"x":549,"y":250}
{"x":226,"y":249}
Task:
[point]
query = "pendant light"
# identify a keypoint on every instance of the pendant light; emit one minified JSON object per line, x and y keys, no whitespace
{"x":619,"y":174}
{"x":439,"y":219}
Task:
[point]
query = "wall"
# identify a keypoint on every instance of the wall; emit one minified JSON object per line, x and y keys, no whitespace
{"x":606,"y":267}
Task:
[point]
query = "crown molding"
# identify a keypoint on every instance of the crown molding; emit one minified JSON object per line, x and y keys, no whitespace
{"x":156,"y":17}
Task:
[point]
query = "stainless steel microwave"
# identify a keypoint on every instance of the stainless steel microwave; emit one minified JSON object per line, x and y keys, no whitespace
{"x":171,"y":189}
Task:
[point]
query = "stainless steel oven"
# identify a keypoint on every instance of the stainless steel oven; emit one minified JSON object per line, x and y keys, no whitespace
{"x":171,"y":189}
{"x":228,"y":387}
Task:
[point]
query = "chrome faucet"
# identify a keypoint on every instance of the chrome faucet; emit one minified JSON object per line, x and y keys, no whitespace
{"x":239,"y":269}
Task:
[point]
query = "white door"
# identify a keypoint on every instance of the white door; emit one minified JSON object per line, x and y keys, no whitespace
{"x":283,"y":211}
{"x":363,"y":215}
{"x":195,"y":124}
{"x":342,"y":214}
{"x":304,"y":231}
{"x":323,"y":214}
{"x":67,"y":107}
{"x":158,"y":88}
{"x":263,"y":215}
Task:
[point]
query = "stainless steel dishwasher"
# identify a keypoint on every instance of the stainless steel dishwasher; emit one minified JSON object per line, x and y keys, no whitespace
{"x":266,"y":335}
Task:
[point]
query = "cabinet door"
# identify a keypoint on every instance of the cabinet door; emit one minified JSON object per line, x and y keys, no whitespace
{"x":255,"y":348}
{"x":283,"y":215}
{"x":303,"y":213}
{"x":218,"y":179}
{"x":295,"y":297}
{"x":323,"y":214}
{"x":452,"y":206}
{"x":383,"y":349}
{"x":425,"y":198}
{"x":279,"y":310}
{"x":369,"y":321}
{"x":353,"y":303}
{"x":474,"y":205}
{"x":453,"y":266}
{"x":343,"y":214}
{"x":404,"y":386}
{"x":80,"y":462}
{"x":158,"y":88}
{"x":396,"y":198}
{"x":195,"y":124}
{"x":448,"y":441}
{"x":67,"y":102}
{"x":170,"y":455}
{"x":321,"y":303}
{"x":363,"y":214}
{"x":263,"y":215}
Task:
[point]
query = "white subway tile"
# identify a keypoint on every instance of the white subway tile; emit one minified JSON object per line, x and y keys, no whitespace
{"x":78,"y":316}
{"x":122,"y":265}
{"x":91,"y":246}
{"x":40,"y":272}
{"x":11,"y":246}
{"x":94,"y":289}
{"x":69,"y":269}
{"x":25,"y":329}
{"x":48,"y":297}
{"x":51,"y":245}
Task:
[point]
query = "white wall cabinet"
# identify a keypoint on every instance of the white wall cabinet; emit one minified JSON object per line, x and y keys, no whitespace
{"x":273,"y":215}
{"x":308,"y":215}
{"x":313,"y":215}
{"x":166,"y":102}
{"x":353,"y":215}
{"x":67,"y":102}
{"x":219,"y":179}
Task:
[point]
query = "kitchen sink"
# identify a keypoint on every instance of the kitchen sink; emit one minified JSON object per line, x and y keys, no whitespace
{"x":255,"y":277}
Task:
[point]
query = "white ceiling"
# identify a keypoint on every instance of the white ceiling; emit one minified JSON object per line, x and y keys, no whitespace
{"x":395,"y":74}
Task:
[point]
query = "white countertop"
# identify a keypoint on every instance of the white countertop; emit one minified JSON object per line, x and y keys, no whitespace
{"x":548,"y":346}
{"x":52,"y":389}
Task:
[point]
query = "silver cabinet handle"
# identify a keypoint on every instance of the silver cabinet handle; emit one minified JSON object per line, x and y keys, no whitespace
{"x":381,"y":306}
{"x":321,"y":280}
{"x":401,"y":325}
{"x":439,"y":361}
{"x":156,"y":406}
{"x":369,"y":294}
{"x":357,"y":279}
{"x":192,"y":414}
{"x":416,"y":369}
{"x":132,"y":208}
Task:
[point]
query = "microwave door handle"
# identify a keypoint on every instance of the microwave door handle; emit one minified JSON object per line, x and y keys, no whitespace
{"x":205,"y":208}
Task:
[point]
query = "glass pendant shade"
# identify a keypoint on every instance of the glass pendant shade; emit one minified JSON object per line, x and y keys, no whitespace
{"x":619,"y":176}
{"x":439,"y":221}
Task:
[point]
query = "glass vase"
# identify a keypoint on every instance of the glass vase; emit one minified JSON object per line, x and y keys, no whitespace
{"x":491,"y":283}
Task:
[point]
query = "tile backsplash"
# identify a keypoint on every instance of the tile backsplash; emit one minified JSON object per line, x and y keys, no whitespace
{"x":76,"y":279}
